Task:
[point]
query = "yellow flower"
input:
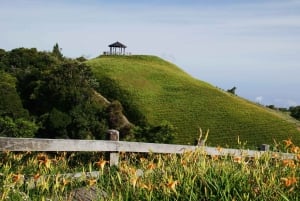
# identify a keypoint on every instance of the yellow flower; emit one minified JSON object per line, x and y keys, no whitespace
{"x":289,"y":181}
{"x":92,"y":182}
{"x":148,"y":187}
{"x":134,"y":181}
{"x":288,"y":142}
{"x":65,"y":182}
{"x":143,"y":160}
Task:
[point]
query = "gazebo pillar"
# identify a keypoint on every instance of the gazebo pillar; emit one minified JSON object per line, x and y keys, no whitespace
{"x":117,"y":48}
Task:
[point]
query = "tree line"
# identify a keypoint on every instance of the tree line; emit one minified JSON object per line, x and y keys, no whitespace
{"x":44,"y":94}
{"x":294,"y":111}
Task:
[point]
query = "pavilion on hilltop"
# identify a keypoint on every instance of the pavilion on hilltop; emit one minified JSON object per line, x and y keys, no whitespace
{"x":116,"y":48}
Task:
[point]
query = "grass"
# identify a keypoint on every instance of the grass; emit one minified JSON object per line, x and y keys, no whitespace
{"x":189,"y":176}
{"x":162,"y":91}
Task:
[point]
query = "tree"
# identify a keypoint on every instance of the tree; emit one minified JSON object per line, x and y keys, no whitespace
{"x":232,"y":90}
{"x":56,"y":51}
{"x":10,"y":102}
{"x":295,"y":112}
{"x":20,"y":127}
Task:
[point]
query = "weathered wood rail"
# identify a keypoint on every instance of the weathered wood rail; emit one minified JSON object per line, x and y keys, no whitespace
{"x":37,"y":144}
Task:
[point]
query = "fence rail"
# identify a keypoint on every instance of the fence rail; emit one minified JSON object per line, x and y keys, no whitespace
{"x":37,"y":144}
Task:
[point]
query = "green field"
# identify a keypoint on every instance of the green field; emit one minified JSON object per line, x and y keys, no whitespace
{"x":162,"y":91}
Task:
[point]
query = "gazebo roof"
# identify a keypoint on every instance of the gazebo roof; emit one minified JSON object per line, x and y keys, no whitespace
{"x":117,"y":44}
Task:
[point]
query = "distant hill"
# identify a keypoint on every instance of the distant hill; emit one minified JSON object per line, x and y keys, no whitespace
{"x":162,"y":91}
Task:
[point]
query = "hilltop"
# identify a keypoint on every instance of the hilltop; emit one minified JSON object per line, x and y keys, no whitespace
{"x":162,"y":91}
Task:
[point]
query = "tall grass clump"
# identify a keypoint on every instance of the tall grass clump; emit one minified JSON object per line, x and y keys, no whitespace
{"x":193,"y":175}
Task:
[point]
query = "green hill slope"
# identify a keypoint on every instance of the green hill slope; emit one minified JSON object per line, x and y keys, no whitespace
{"x":162,"y":91}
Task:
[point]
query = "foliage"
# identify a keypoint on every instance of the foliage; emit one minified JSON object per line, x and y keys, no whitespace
{"x":81,"y":59}
{"x":295,"y":112}
{"x":10,"y":102}
{"x":57,"y":52}
{"x":64,"y":101}
{"x":113,"y":91}
{"x":57,"y":92}
{"x":19,"y":127}
{"x":188,"y":176}
{"x":161,"y":91}
{"x":232,"y":90}
{"x":162,"y":133}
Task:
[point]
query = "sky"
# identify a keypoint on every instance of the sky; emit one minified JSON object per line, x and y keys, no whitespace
{"x":252,"y":45}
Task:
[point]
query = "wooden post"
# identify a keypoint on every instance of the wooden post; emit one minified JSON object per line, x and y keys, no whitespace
{"x":264,"y":147}
{"x":113,"y":156}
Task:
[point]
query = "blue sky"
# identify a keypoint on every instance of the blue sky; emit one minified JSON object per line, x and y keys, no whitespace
{"x":253,"y":45}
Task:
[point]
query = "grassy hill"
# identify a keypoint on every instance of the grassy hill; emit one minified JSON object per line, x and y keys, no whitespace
{"x":162,"y":91}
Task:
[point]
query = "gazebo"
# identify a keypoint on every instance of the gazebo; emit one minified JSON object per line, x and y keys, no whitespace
{"x":117,"y":48}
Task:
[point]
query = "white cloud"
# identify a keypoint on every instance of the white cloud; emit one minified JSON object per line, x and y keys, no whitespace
{"x":259,"y":99}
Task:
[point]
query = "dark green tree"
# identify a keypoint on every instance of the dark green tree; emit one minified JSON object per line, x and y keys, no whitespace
{"x":14,"y":119}
{"x":10,"y":102}
{"x":20,"y":127}
{"x":56,"y":51}
{"x":295,"y":112}
{"x":232,"y":90}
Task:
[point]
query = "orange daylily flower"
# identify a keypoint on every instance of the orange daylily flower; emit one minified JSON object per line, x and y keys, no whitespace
{"x":101,"y":164}
{"x":237,"y":159}
{"x":295,"y":149}
{"x":275,"y":155}
{"x":151,"y":166}
{"x":36,"y":176}
{"x":219,"y":148}
{"x":288,"y":163}
{"x":214,"y":157}
{"x":183,"y":163}
{"x":143,"y":160}
{"x":289,"y":181}
{"x":16,"y":177}
{"x":288,"y":142}
{"x":44,"y":160}
{"x":65,"y":181}
{"x":172,"y":185}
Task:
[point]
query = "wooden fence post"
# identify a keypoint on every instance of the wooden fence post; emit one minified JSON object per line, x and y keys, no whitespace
{"x":113,"y":156}
{"x":264,"y":147}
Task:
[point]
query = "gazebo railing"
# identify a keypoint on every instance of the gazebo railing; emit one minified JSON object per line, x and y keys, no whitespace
{"x":116,"y":53}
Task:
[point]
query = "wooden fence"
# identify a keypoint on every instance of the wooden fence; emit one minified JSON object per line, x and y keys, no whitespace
{"x":114,"y":146}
